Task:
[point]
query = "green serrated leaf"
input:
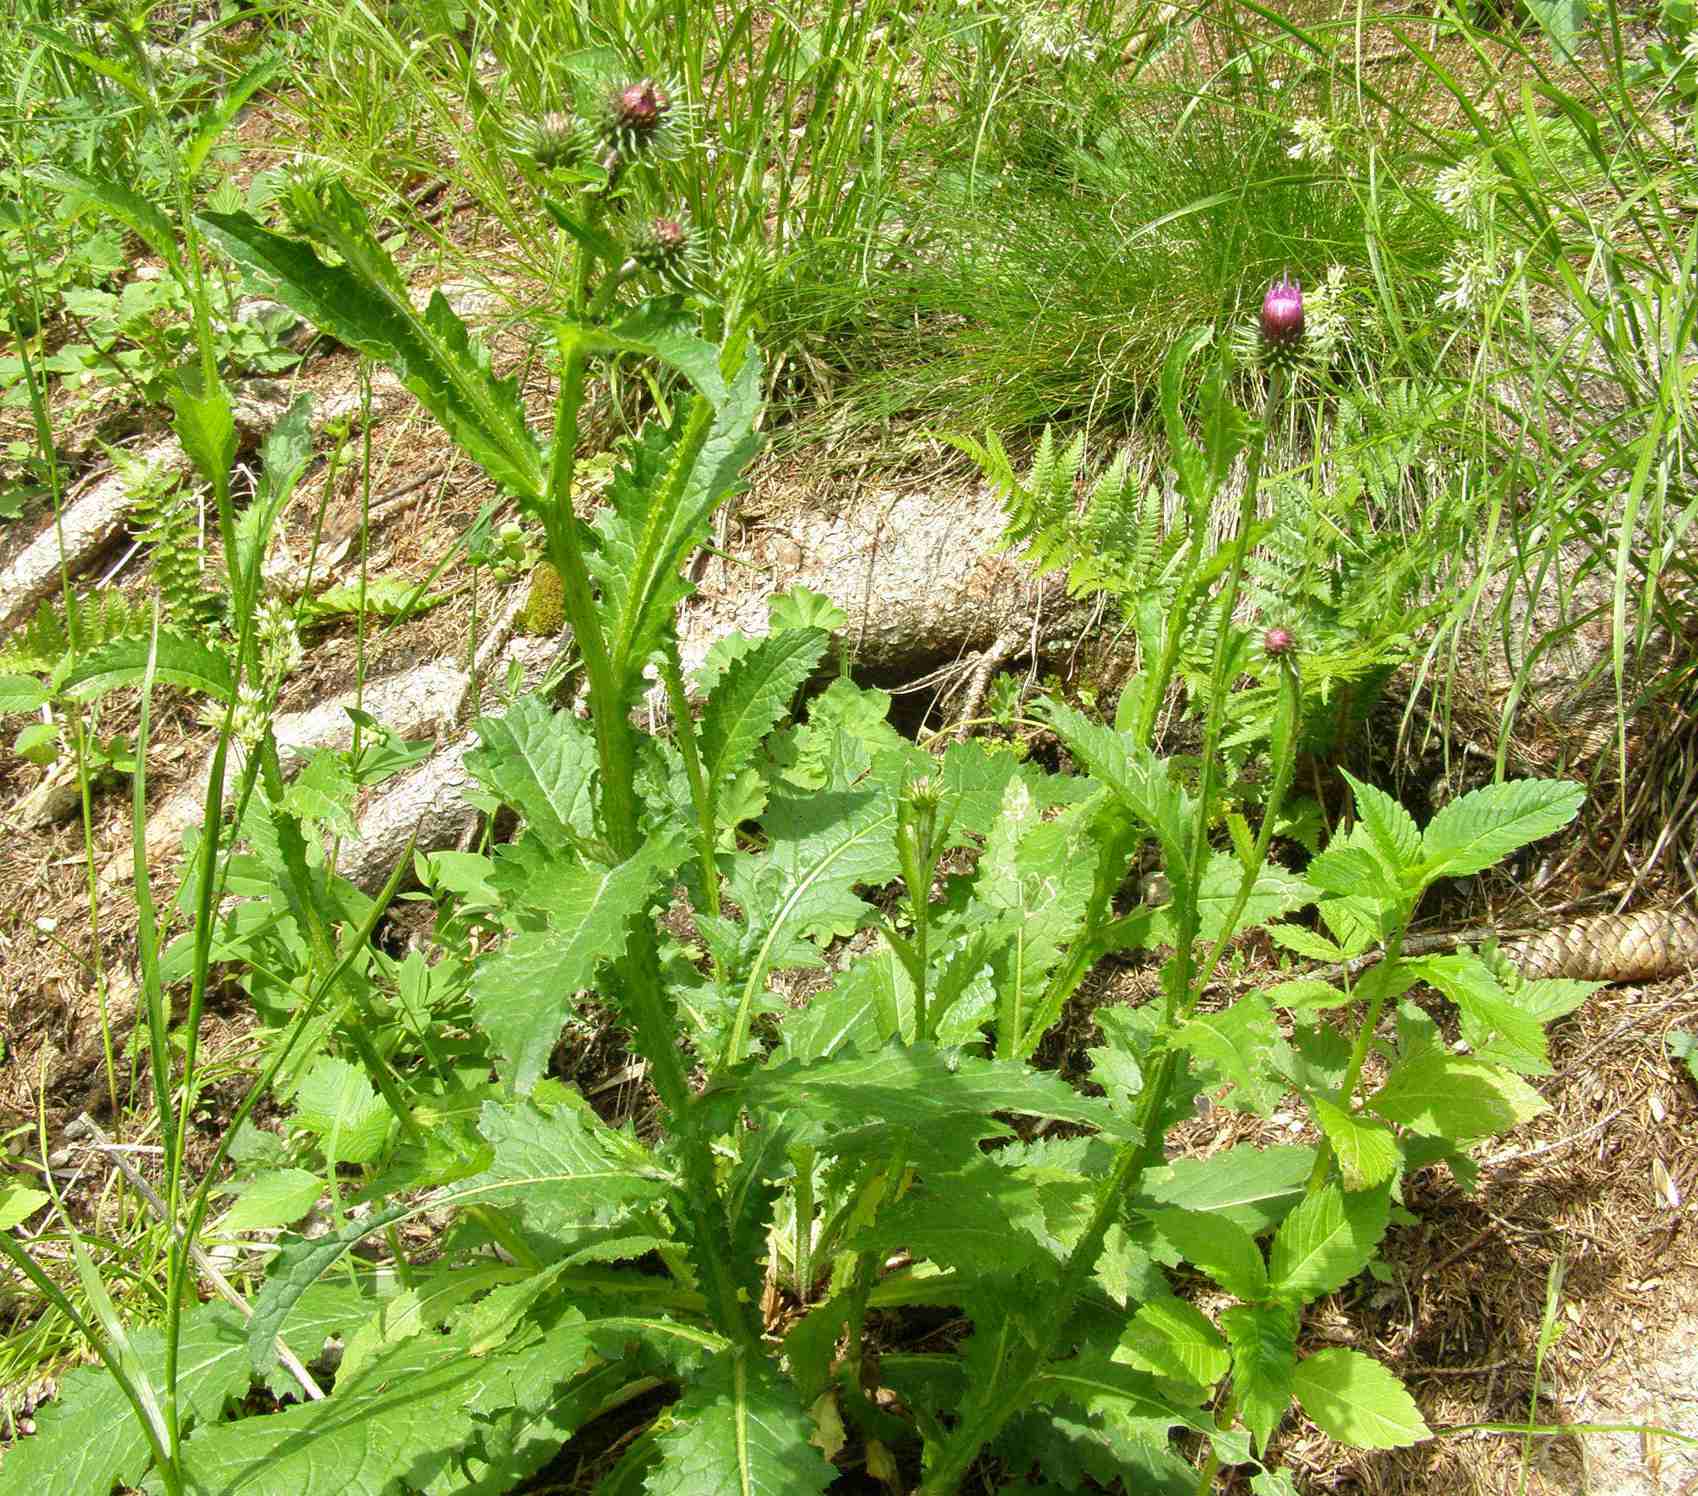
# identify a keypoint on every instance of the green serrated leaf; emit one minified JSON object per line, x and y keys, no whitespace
{"x":1354,"y":1399}
{"x":18,"y":1204}
{"x":522,"y":994}
{"x":123,"y":662}
{"x":21,"y":694}
{"x":984,"y":1220}
{"x":1366,"y":1150}
{"x":341,"y":1108}
{"x":1484,"y":826}
{"x":819,"y":850}
{"x":1493,"y":1023}
{"x":659,"y":507}
{"x":1240,"y":1044}
{"x":364,"y":303}
{"x":1326,"y":1241}
{"x":1252,"y":1187}
{"x":1351,"y":872}
{"x":1219,"y":1247}
{"x":943,"y":1100}
{"x":750,"y":698}
{"x":1034,"y":884}
{"x":278,"y":1197}
{"x":739,"y":1428}
{"x":1390,"y":827}
{"x":87,"y":1439}
{"x":1306,"y":942}
{"x":543,"y":764}
{"x":1174,"y":1339}
{"x":1263,"y":1338}
{"x":563,"y":1171}
{"x":1306,"y":995}
{"x":403,"y":1420}
{"x":1275,"y":892}
{"x":1452,"y":1096}
{"x":138,"y":215}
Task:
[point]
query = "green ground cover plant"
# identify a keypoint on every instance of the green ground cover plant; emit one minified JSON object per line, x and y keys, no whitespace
{"x":893,"y":1147}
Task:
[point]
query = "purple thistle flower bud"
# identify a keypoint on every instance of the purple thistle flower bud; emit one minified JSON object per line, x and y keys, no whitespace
{"x":1282,"y":314}
{"x":636,"y":114}
{"x":1278,"y":641}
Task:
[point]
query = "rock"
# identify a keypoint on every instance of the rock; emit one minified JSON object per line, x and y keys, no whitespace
{"x":419,"y":703}
{"x":91,"y":520}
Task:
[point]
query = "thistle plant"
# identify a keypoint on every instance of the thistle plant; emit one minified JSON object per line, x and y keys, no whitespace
{"x":856,"y":1154}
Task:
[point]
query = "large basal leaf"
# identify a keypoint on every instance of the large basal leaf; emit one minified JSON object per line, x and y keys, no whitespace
{"x":1034,"y":882}
{"x":123,"y":662}
{"x":364,"y":303}
{"x":398,"y":1425}
{"x":523,"y":993}
{"x":87,"y":1439}
{"x":543,"y":764}
{"x":819,"y":850}
{"x":943,"y":1100}
{"x":1454,"y":1096}
{"x":739,"y":1430}
{"x":1252,"y":1187}
{"x":1483,"y":827}
{"x":561,"y":1170}
{"x":751,"y":697}
{"x":1263,"y":1338}
{"x":1354,"y":1399}
{"x":1326,"y":1241}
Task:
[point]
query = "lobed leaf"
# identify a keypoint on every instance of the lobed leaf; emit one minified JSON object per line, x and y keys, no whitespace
{"x":1484,"y":826}
{"x":739,"y":1428}
{"x":1452,"y":1096}
{"x":522,"y":994}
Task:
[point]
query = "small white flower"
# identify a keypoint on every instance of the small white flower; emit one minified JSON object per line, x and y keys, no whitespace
{"x":279,"y":642}
{"x":1468,"y":277}
{"x":1466,"y":190}
{"x":1314,"y":140}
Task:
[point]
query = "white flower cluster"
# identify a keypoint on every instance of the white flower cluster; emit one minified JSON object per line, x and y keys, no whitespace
{"x":1467,"y":191}
{"x":1314,"y":140}
{"x":1468,"y":279}
{"x":280,"y":649}
{"x":1326,"y":316}
{"x":1045,"y":34}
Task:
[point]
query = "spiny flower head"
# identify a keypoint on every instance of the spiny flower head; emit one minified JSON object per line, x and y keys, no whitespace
{"x":1282,"y":314}
{"x":640,"y":119}
{"x":1278,"y":641}
{"x":671,"y":248}
{"x":555,"y":139}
